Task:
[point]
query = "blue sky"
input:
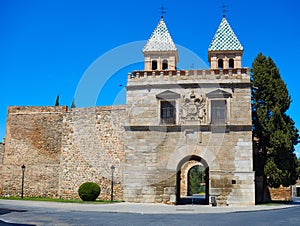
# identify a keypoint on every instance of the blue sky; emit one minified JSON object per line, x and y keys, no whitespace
{"x":47,"y":47}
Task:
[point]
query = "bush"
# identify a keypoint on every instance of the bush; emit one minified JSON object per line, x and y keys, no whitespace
{"x":89,"y":191}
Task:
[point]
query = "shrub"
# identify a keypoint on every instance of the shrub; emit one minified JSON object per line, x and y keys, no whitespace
{"x":89,"y":191}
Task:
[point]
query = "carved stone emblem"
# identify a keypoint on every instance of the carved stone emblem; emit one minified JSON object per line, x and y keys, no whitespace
{"x":193,"y":108}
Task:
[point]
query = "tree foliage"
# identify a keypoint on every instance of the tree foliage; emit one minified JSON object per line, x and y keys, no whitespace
{"x":73,"y":104}
{"x":298,"y":169}
{"x":57,"y":101}
{"x":273,"y":129}
{"x":89,"y":191}
{"x":196,"y":180}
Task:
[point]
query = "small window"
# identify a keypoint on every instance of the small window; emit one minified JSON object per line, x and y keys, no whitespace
{"x":167,"y":112}
{"x":231,"y":63}
{"x":165,"y":65}
{"x":218,"y":111}
{"x":154,"y":65}
{"x":220,"y":64}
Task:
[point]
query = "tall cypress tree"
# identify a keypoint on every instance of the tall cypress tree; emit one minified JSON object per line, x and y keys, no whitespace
{"x":73,"y":104}
{"x":57,"y":101}
{"x":274,"y":132}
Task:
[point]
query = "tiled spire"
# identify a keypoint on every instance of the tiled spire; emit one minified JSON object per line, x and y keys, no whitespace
{"x":160,"y":39}
{"x":225,"y":39}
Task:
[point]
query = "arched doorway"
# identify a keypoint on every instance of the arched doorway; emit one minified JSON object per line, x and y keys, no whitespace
{"x":192,"y":181}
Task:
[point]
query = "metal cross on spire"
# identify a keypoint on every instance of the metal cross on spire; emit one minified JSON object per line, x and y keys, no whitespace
{"x":224,"y":9}
{"x":162,"y":11}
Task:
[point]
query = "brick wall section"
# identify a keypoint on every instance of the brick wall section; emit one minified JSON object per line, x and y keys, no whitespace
{"x":92,"y":142}
{"x":33,"y":138}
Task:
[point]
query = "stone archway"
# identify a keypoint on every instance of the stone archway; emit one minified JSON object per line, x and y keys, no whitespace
{"x":182,"y":180}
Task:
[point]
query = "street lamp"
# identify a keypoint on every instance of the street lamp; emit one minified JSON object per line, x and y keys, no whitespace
{"x":23,"y":171}
{"x":112,"y":183}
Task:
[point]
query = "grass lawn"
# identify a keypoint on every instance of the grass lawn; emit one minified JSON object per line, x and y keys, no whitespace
{"x":58,"y":200}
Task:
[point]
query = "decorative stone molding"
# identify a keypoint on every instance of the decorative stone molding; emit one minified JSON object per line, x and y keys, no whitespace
{"x":193,"y":108}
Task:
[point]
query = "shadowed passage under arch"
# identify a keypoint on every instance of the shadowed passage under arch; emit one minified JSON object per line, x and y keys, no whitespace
{"x":184,"y":192}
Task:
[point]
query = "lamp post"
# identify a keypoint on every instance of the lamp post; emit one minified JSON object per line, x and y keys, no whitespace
{"x":112,"y":183}
{"x":23,"y":171}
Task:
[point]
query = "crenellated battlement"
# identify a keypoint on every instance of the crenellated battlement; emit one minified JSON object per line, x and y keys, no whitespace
{"x":235,"y":73}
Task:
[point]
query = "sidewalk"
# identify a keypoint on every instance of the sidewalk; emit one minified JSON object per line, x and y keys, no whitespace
{"x":142,"y":208}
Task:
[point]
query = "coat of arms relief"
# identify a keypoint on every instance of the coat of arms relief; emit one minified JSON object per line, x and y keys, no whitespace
{"x":193,"y":108}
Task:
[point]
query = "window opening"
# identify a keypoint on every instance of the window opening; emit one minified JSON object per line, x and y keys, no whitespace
{"x":154,"y":65}
{"x":220,"y":64}
{"x":231,"y":63}
{"x":218,"y":111}
{"x":167,"y":112}
{"x":165,"y":65}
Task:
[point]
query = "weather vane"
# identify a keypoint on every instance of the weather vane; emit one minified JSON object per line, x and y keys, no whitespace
{"x":224,"y":9}
{"x":162,"y":11}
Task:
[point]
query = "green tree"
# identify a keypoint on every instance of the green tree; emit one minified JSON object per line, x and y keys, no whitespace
{"x":196,"y":179}
{"x":73,"y":104}
{"x":57,"y":101}
{"x":298,"y":169}
{"x":274,"y":131}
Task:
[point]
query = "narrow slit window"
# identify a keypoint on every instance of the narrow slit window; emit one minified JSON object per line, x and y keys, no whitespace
{"x":231,"y":63}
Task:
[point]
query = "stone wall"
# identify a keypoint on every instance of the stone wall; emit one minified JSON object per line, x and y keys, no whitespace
{"x":93,"y":141}
{"x":63,"y":148}
{"x":296,"y":189}
{"x":143,"y":88}
{"x":33,"y":138}
{"x":2,"y":146}
{"x":152,"y":159}
{"x":281,"y":194}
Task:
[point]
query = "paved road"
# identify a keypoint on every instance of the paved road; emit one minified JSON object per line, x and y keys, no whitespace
{"x":45,"y":213}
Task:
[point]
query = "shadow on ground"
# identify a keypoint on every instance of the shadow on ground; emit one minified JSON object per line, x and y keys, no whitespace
{"x":194,"y":201}
{"x":6,"y":211}
{"x":296,"y":201}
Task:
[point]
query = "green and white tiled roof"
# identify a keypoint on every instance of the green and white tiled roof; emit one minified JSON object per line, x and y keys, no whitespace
{"x":160,"y":39}
{"x":225,"y":39}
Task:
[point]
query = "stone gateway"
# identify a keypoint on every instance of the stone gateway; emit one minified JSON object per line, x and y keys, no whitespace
{"x":174,"y":120}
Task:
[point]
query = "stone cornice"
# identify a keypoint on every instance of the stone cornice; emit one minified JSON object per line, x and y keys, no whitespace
{"x":182,"y":128}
